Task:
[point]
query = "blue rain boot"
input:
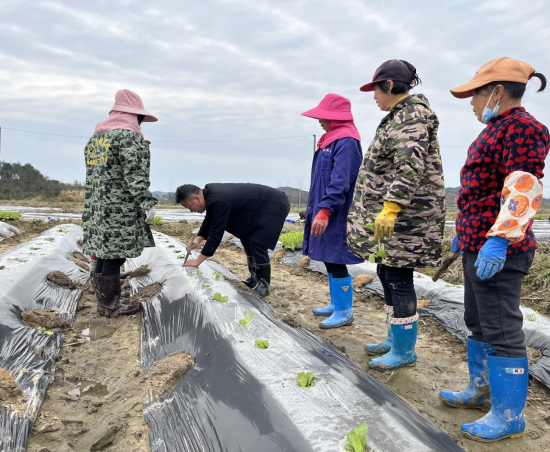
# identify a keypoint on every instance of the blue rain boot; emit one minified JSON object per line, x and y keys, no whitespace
{"x":385,"y":345}
{"x":330,"y":308}
{"x":477,"y":394}
{"x":508,"y":379}
{"x":402,"y":352}
{"x":342,"y":297}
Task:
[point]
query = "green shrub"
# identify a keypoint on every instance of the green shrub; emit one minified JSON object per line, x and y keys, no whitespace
{"x":4,"y":215}
{"x":292,"y":241}
{"x":157,"y":221}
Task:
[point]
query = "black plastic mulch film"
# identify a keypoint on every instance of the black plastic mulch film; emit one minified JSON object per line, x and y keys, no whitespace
{"x":240,"y":398}
{"x":27,"y":352}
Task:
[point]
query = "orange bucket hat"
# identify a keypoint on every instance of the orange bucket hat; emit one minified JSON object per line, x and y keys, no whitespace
{"x":503,"y":69}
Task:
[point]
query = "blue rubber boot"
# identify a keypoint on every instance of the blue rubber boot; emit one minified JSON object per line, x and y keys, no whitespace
{"x":385,"y":345}
{"x":508,"y":379}
{"x":402,"y":352}
{"x":477,"y":394}
{"x":330,"y":308}
{"x":342,"y":297}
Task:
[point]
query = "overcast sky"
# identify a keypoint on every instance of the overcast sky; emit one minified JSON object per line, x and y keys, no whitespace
{"x":217,"y":72}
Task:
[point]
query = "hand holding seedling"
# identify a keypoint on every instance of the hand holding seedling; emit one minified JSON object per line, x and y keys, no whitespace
{"x":320,"y":223}
{"x":385,"y":221}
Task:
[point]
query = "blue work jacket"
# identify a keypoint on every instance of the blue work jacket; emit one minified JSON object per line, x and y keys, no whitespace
{"x":333,"y":176}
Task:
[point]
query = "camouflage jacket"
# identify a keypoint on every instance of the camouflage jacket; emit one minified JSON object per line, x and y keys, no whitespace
{"x":117,"y":195}
{"x":402,"y":165}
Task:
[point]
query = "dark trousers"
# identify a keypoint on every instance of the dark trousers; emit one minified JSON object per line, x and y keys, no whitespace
{"x":399,"y":290}
{"x":337,"y":270}
{"x":109,"y":267}
{"x":491,"y":307}
{"x":257,"y":252}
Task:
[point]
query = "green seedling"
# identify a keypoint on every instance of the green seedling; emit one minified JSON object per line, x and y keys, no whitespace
{"x":306,"y":379}
{"x":5,"y":215}
{"x":357,"y":438}
{"x":157,"y":221}
{"x":44,"y":330}
{"x":197,"y":273}
{"x":247,"y":318}
{"x":217,"y":275}
{"x":205,"y":286}
{"x":49,"y":239}
{"x":531,"y":317}
{"x":177,"y":251}
{"x":419,"y":276}
{"x":32,"y":248}
{"x":292,"y":240}
{"x":381,"y":248}
{"x":261,"y":343}
{"x":219,"y":298}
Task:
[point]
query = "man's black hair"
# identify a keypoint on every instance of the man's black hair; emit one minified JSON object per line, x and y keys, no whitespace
{"x":185,"y":191}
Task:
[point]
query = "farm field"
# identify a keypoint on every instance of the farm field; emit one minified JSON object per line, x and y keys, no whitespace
{"x":105,"y":353}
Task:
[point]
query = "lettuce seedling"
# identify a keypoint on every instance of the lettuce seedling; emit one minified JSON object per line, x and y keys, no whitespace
{"x":219,"y":298}
{"x":5,"y":215}
{"x":44,"y":330}
{"x":306,"y":379}
{"x":381,"y":249}
{"x":292,"y":240}
{"x":357,"y":438}
{"x":262,"y":343}
{"x":217,"y":275}
{"x":204,"y":286}
{"x":247,"y":318}
{"x":157,"y":221}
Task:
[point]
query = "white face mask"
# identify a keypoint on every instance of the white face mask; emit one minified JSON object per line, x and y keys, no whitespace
{"x":489,"y":114}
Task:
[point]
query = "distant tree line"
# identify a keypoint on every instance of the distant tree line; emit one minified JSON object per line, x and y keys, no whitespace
{"x":18,"y":181}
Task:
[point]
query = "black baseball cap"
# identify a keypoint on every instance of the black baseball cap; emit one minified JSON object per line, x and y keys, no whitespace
{"x":396,"y":70}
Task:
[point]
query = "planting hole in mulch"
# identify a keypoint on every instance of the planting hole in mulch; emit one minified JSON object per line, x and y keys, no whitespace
{"x":362,"y":280}
{"x":288,"y":319}
{"x":82,"y":264}
{"x":45,"y":318}
{"x":78,"y":255}
{"x":164,"y":374}
{"x":11,"y":397}
{"x":61,"y":279}
{"x":147,"y":292}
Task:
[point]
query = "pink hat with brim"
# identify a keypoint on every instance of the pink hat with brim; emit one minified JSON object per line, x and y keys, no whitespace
{"x":128,"y":102}
{"x":332,"y":107}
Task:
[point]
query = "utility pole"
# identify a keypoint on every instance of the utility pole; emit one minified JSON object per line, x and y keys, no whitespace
{"x":0,"y":142}
{"x":314,"y":143}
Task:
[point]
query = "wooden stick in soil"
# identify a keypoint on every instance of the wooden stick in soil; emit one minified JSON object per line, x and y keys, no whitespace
{"x":445,"y":266}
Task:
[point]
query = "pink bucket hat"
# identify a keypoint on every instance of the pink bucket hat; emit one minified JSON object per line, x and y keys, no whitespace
{"x":128,"y":102}
{"x":333,"y":107}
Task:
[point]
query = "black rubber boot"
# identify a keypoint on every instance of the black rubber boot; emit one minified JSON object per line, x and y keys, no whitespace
{"x":109,"y":297}
{"x":100,"y":308}
{"x":263,"y":272}
{"x":253,"y":279}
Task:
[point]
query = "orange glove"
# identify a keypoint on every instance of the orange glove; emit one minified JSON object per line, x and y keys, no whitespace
{"x":320,"y":223}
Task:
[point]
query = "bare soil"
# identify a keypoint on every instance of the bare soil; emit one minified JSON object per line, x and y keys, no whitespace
{"x":11,"y":397}
{"x":61,"y":279}
{"x":46,"y":318}
{"x":164,"y":374}
{"x":147,"y":292}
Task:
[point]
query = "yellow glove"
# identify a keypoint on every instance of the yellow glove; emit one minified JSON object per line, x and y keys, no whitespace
{"x":385,"y":221}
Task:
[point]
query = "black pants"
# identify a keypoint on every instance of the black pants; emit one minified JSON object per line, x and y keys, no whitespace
{"x":109,"y":267}
{"x":399,"y":290}
{"x":491,"y":307}
{"x":257,"y":252}
{"x":337,"y":270}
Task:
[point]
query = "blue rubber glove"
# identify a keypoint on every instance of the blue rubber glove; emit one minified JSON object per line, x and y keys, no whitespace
{"x":491,"y":257}
{"x":456,"y":246}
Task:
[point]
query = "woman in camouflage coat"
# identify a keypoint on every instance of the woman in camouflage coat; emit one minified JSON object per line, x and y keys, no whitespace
{"x":398,"y":214}
{"x":118,"y":204}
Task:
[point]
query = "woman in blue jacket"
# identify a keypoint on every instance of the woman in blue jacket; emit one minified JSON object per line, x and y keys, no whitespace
{"x":334,"y":172}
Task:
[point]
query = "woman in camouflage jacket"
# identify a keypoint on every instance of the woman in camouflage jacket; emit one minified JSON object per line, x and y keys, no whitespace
{"x":398,"y":214}
{"x":118,"y":203}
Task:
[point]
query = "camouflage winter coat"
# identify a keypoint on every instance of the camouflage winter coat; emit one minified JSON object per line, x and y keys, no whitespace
{"x":402,"y":165}
{"x":117,"y":195}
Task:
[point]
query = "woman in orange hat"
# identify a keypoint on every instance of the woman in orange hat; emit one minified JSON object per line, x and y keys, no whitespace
{"x":499,"y":195}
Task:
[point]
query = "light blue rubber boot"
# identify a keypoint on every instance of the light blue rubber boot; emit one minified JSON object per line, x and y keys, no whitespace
{"x":477,"y":394}
{"x":342,"y":297}
{"x":508,"y":378}
{"x":385,"y":345}
{"x":330,"y":308}
{"x":402,"y":351}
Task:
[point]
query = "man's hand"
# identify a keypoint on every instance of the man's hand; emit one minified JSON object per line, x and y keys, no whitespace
{"x":320,"y":223}
{"x":491,"y":257}
{"x":193,"y":245}
{"x":385,"y":221}
{"x":150,"y":215}
{"x":195,"y":262}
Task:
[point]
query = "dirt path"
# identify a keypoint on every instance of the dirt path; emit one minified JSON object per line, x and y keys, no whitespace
{"x":96,"y":400}
{"x":442,"y":357}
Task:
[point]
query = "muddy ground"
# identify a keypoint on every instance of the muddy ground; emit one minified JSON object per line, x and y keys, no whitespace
{"x":111,"y":416}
